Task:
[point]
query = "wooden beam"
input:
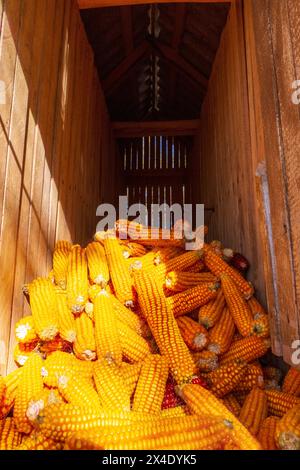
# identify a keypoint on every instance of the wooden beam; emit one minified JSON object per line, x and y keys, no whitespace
{"x":117,"y":3}
{"x":170,"y":54}
{"x":126,"y":21}
{"x":148,"y":128}
{"x":179,"y":23}
{"x":115,"y":76}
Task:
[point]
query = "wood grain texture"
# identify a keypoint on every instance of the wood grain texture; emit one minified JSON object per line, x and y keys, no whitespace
{"x":112,"y":3}
{"x":51,"y":146}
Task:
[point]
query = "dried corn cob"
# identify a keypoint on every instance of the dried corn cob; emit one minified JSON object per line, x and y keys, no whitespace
{"x":241,"y":313}
{"x":146,"y":261}
{"x":77,"y":280}
{"x":291,"y":383}
{"x":175,"y":412}
{"x":254,"y":410}
{"x":60,"y":262}
{"x":252,"y":378}
{"x":60,"y":363}
{"x":134,"y":347}
{"x":232,"y":404}
{"x":97,"y":264}
{"x":178,"y":281}
{"x":224,"y":379}
{"x":218,"y":267}
{"x":151,"y":236}
{"x":194,"y":335}
{"x":163,"y":255}
{"x":131,"y":374}
{"x":133,"y":249}
{"x":202,"y":401}
{"x":22,"y":352}
{"x":37,"y":441}
{"x":25,"y":331}
{"x":206,"y":361}
{"x":10,"y":438}
{"x":185,"y":302}
{"x":30,"y":384}
{"x":8,"y":398}
{"x":66,"y":321}
{"x":256,"y":307}
{"x":181,"y":262}
{"x":164,"y":326}
{"x":261,"y":326}
{"x":131,"y":319}
{"x":280,"y":402}
{"x":111,"y":387}
{"x":77,"y":390}
{"x":151,"y":385}
{"x":43,"y":305}
{"x":288,"y":430}
{"x":195,"y":268}
{"x":210,"y":313}
{"x":185,"y":432}
{"x":266,"y":433}
{"x":108,"y":345}
{"x":221,"y":335}
{"x":42,"y":399}
{"x":84,"y":345}
{"x":246,"y":349}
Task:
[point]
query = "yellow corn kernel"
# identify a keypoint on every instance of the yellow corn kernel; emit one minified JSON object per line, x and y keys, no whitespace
{"x":254,"y":410}
{"x":10,"y":438}
{"x":60,"y":262}
{"x":130,"y":318}
{"x":224,"y":379}
{"x":30,"y":384}
{"x":66,"y":318}
{"x":288,"y":430}
{"x":25,"y":331}
{"x":246,"y":349}
{"x":151,"y":385}
{"x":194,"y":335}
{"x":266,"y":433}
{"x":37,"y":441}
{"x":132,"y":249}
{"x":108,"y":344}
{"x":178,"y":281}
{"x":134,"y":347}
{"x":60,"y":363}
{"x":84,"y":345}
{"x":97,"y":264}
{"x":210,"y":313}
{"x":131,"y":373}
{"x":43,"y":303}
{"x":252,"y":378}
{"x":111,"y":386}
{"x":189,"y":300}
{"x":280,"y":402}
{"x":22,"y":352}
{"x":77,"y":280}
{"x":221,"y":335}
{"x":8,"y":397}
{"x":78,"y":390}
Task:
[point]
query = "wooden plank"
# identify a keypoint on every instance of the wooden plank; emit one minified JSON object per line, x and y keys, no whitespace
{"x":127,"y":32}
{"x":151,"y":128}
{"x":179,"y":23}
{"x":83,"y":4}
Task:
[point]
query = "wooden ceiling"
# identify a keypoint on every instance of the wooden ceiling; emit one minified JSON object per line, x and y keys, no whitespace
{"x":154,"y":60}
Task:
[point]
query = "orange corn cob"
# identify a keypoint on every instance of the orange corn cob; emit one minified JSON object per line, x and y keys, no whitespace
{"x":187,"y":301}
{"x":151,"y":385}
{"x":232,"y":404}
{"x":25,"y":331}
{"x":10,"y":438}
{"x":218,"y":267}
{"x":206,"y":361}
{"x":77,"y":280}
{"x":60,"y":262}
{"x":43,"y":305}
{"x":111,"y":387}
{"x":288,"y":430}
{"x":210,"y":313}
{"x":202,"y":401}
{"x":181,"y":262}
{"x":194,"y":335}
{"x":66,"y":321}
{"x":134,"y":347}
{"x":30,"y":384}
{"x":291,"y":383}
{"x":280,"y":402}
{"x":272,"y":373}
{"x":97,"y":264}
{"x":151,"y":236}
{"x":256,"y":307}
{"x":37,"y":441}
{"x":84,"y":345}
{"x":22,"y":352}
{"x":133,"y":249}
{"x":261,"y":325}
{"x":119,"y":272}
{"x":224,"y":379}
{"x":131,"y":319}
{"x":246,"y":349}
{"x":266,"y":433}
{"x":178,"y":281}
{"x":183,"y":433}
{"x":77,"y":390}
{"x":60,"y":363}
{"x":252,"y":378}
{"x":237,"y":305}
{"x":221,"y":335}
{"x":108,"y":345}
{"x":8,"y":398}
{"x":254,"y":410}
{"x":131,"y":373}
{"x":164,"y":326}
{"x":42,"y":399}
{"x":165,"y":254}
{"x":146,"y":261}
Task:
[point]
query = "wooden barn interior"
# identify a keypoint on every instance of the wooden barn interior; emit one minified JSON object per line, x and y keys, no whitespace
{"x":165,"y":102}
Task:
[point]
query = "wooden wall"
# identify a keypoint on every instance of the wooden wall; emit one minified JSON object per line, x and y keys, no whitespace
{"x":56,"y":146}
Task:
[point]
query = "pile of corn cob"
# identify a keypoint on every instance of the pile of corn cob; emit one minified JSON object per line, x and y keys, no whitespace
{"x":145,"y":346}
